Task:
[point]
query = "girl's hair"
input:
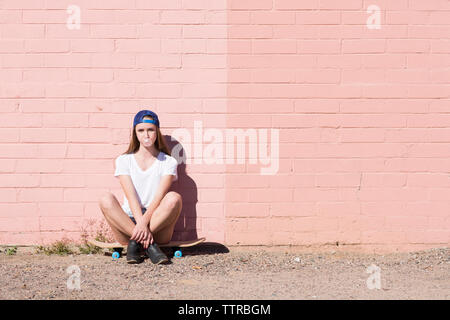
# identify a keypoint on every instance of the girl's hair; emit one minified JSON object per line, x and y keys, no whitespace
{"x":160,"y":143}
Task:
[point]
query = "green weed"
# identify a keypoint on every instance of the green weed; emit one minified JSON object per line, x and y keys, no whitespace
{"x":11,"y":251}
{"x":60,"y":247}
{"x":87,"y":248}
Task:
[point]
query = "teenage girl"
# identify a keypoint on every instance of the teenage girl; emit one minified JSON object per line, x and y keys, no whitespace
{"x":149,"y":211}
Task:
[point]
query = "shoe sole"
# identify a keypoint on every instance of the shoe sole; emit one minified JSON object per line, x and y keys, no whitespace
{"x":134,"y":261}
{"x":162,"y":261}
{"x":165,"y":260}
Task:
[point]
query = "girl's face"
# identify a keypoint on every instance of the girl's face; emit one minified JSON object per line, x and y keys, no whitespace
{"x":146,"y":134}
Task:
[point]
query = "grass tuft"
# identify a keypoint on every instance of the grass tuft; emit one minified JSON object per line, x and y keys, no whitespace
{"x":60,"y":247}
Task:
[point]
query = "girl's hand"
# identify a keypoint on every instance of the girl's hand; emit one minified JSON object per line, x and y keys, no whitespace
{"x":140,"y":232}
{"x":149,"y":240}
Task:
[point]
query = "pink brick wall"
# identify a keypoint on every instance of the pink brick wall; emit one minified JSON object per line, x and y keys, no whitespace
{"x":362,"y":115}
{"x":364,"y":121}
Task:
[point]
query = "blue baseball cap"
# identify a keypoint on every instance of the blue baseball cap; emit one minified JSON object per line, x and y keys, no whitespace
{"x":139,"y":118}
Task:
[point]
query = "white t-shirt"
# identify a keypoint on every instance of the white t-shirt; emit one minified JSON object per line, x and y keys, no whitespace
{"x":145,"y":182}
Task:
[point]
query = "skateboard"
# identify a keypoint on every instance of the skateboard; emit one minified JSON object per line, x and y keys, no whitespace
{"x":175,"y":245}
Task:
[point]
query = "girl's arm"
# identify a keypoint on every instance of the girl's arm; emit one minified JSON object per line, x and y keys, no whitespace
{"x":163,"y":188}
{"x":130,"y":193}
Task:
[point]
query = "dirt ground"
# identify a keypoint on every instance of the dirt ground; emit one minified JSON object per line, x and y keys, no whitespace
{"x":217,"y":272}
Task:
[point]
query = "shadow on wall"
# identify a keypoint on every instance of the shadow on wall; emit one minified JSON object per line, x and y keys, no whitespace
{"x":186,"y":226}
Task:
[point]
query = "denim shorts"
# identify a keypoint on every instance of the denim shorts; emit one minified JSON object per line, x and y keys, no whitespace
{"x":133,"y":219}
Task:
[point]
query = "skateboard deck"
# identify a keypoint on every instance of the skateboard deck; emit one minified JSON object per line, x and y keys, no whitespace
{"x":172,"y":244}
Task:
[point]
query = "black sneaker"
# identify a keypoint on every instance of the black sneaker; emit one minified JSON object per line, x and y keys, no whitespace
{"x":156,"y":255}
{"x":134,"y":252}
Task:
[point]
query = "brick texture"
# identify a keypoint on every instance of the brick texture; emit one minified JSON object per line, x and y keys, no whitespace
{"x":363,"y":124}
{"x":326,"y":128}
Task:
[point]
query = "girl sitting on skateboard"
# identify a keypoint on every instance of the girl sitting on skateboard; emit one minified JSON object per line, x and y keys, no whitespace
{"x":149,"y":211}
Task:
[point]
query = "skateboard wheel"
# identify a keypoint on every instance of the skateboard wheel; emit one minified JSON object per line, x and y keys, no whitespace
{"x":178,"y":254}
{"x":115,"y":255}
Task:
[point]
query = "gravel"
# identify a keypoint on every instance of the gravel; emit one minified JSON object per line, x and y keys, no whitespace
{"x":212,"y":272}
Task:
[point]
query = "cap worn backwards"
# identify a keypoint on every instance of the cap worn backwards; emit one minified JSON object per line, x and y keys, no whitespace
{"x":139,"y":118}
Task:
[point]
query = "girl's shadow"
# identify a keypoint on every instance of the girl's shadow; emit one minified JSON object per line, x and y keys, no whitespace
{"x":186,"y":226}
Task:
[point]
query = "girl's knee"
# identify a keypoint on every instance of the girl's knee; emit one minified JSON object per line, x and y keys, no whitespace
{"x":107,"y":200}
{"x":173,"y":199}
